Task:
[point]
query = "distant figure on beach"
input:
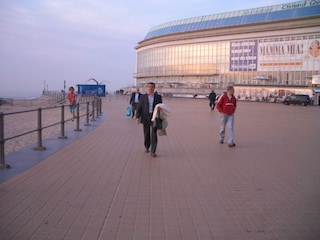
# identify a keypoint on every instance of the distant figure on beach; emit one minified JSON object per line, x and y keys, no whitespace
{"x":212,"y":100}
{"x":72,"y":101}
{"x":134,"y":100}
{"x":226,"y":105}
{"x":144,"y":114}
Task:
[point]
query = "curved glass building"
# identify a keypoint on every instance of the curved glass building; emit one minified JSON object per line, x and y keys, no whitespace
{"x":264,"y":52}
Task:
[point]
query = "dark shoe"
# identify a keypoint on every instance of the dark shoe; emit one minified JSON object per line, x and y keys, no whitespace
{"x":232,"y":145}
{"x":221,"y":141}
{"x":153,"y":155}
{"x":147,"y":150}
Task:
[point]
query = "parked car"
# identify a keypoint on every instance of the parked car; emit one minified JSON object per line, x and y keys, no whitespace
{"x":300,"y":99}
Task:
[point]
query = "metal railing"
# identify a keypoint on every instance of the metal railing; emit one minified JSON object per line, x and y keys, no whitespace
{"x":94,"y":112}
{"x":61,"y":96}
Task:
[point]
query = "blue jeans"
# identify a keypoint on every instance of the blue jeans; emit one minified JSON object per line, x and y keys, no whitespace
{"x":227,"y":119}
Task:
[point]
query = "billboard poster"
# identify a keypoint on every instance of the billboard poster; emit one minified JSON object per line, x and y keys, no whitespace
{"x":243,"y":55}
{"x":289,"y":53}
{"x":316,"y":80}
{"x":92,"y":90}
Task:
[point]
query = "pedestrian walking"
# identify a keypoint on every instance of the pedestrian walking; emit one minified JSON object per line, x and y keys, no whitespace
{"x":226,"y":105}
{"x":144,"y":114}
{"x":212,"y":100}
{"x":134,"y":100}
{"x":72,"y":98}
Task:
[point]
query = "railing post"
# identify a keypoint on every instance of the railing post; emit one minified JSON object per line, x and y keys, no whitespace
{"x":3,"y":165}
{"x":39,"y":147}
{"x":62,"y":136}
{"x":78,"y":119}
{"x":97,"y":104}
{"x":100,"y":103}
{"x":93,"y":109}
{"x":87,"y":115}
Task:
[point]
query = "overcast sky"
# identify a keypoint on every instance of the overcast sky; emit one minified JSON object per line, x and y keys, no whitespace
{"x":75,"y":40}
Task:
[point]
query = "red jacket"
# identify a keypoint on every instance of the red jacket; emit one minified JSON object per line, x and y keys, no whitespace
{"x":226,"y":105}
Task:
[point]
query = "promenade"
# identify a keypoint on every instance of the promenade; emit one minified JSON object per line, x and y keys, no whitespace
{"x":104,"y":186}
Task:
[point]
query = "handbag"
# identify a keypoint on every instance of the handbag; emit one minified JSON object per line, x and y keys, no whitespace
{"x":158,"y":121}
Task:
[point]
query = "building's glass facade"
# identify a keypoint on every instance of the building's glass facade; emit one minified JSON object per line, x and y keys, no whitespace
{"x":202,"y":53}
{"x":288,"y":11}
{"x":265,"y":61}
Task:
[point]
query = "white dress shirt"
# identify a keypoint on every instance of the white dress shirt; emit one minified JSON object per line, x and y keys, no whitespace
{"x":151,"y":99}
{"x":136,"y":97}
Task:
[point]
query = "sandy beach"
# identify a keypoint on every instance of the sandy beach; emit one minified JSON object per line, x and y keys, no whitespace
{"x":23,"y":122}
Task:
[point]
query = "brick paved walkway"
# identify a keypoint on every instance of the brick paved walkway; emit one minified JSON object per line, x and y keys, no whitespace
{"x":103,"y":186}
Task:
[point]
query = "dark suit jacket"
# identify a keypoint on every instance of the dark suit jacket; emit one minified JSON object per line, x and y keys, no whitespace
{"x":143,"y":107}
{"x":133,"y":97}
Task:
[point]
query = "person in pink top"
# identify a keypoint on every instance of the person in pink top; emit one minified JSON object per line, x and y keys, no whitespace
{"x":72,"y":98}
{"x":227,"y":105}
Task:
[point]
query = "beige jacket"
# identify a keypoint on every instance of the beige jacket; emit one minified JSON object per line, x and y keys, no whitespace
{"x":164,"y":113}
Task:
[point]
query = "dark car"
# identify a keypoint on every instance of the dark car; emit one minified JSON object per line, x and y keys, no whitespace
{"x":300,"y":99}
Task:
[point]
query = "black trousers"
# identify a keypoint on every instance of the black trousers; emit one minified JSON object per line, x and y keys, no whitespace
{"x":133,"y":109}
{"x":150,"y":136}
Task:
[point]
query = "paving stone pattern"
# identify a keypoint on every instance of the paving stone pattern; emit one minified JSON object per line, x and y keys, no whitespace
{"x":104,"y":186}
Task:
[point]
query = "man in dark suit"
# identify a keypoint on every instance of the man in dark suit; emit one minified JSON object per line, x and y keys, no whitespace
{"x":134,"y":100}
{"x":144,"y":114}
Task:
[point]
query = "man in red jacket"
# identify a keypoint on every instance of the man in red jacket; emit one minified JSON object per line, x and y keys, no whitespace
{"x":226,"y":105}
